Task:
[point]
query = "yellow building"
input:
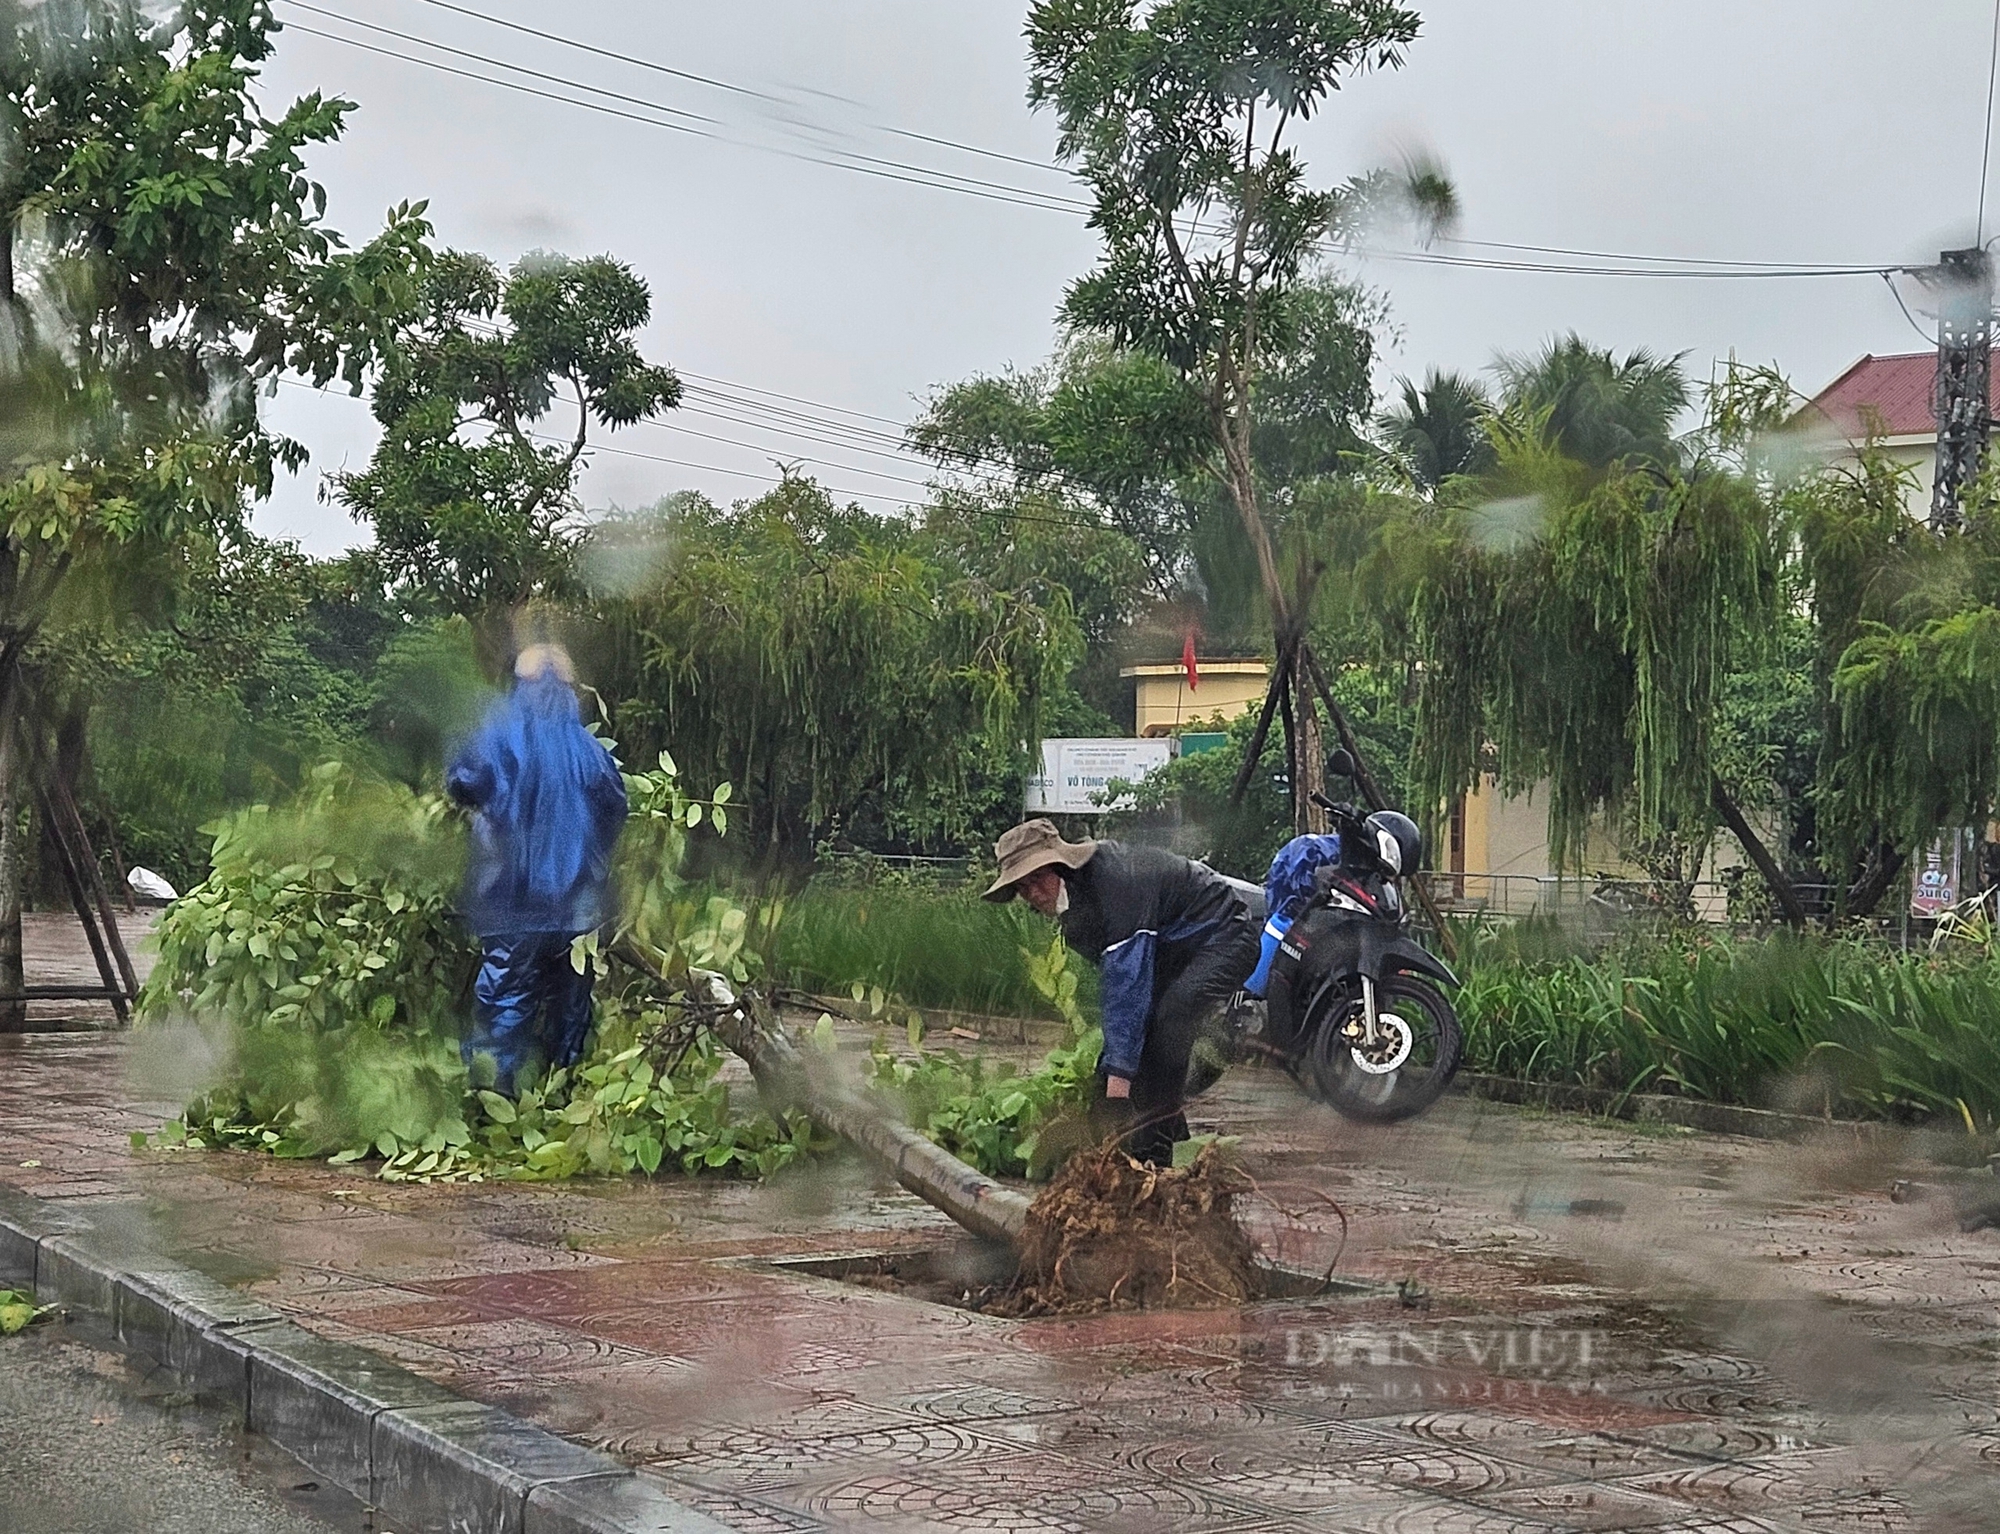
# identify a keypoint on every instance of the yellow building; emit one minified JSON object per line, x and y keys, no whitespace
{"x":1163,"y":703}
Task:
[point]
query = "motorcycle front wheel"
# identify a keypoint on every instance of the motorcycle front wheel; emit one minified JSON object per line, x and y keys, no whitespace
{"x":1417,"y":1052}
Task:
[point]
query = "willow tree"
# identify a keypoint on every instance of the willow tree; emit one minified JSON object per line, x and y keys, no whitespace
{"x":826,"y":661}
{"x":1177,"y":115}
{"x":1907,"y":669}
{"x":1577,"y":627}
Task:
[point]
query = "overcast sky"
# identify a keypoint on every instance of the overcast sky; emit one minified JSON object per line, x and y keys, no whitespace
{"x":1781,"y":131}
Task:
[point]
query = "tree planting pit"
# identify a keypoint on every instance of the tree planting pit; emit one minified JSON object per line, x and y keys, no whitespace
{"x":974,"y":1276}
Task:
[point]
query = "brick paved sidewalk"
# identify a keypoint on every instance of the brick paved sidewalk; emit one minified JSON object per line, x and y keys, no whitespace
{"x":1667,"y":1332}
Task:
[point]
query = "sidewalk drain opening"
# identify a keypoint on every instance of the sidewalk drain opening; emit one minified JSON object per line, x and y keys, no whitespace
{"x":970,"y":1275}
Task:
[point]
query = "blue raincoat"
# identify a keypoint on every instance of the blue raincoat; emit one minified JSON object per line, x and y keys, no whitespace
{"x":548,"y":804}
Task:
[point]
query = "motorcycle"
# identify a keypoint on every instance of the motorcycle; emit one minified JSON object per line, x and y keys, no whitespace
{"x":1351,"y":1002}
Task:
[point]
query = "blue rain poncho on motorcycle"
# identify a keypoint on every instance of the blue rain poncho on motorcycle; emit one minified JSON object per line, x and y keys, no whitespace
{"x":1288,"y":886}
{"x":1289,"y":883}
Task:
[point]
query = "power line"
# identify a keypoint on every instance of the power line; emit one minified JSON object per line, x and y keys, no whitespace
{"x":804,"y":434}
{"x":1896,"y":294}
{"x":779,"y":414}
{"x":931,"y":177}
{"x":793,"y":398}
{"x":510,"y":85}
{"x":725,"y":85}
{"x":1582,"y":269}
{"x":1830,"y":268}
{"x":607,"y":53}
{"x":665,"y":424}
{"x":1076,"y":524}
{"x":837,"y":159}
{"x":481,"y":58}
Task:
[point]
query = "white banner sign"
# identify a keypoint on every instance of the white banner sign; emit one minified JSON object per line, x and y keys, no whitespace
{"x":1076,"y":773}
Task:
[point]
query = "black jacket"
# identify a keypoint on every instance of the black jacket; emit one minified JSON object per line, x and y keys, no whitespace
{"x":1130,"y":907}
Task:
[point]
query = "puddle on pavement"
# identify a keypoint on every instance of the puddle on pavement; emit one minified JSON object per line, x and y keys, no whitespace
{"x":970,"y":1275}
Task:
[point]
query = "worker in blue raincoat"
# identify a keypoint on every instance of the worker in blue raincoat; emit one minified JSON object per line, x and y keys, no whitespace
{"x":547,"y":805}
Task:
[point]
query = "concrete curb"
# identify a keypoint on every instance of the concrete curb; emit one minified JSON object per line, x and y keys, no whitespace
{"x":432,"y":1462}
{"x":1659,"y":1108}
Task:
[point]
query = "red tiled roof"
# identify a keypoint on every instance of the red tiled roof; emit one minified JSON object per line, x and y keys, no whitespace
{"x":1889,"y":395}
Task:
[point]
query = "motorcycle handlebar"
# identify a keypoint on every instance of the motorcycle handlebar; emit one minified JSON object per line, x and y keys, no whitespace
{"x":1341,"y":812}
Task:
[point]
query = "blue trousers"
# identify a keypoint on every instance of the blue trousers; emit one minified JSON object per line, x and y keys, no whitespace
{"x":529,"y":1006}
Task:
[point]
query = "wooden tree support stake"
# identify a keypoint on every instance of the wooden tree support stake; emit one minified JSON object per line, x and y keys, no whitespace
{"x":92,"y":905}
{"x":1372,"y":793}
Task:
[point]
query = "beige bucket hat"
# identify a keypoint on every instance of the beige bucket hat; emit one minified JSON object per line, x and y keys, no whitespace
{"x":1030,"y":845}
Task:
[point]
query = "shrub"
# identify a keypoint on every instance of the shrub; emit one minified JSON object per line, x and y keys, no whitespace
{"x":324,"y":945}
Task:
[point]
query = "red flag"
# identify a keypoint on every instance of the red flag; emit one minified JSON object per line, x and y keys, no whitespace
{"x":1187,"y":662}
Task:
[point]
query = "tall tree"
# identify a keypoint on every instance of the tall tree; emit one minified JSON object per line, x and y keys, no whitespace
{"x":473,"y":503}
{"x":162,"y":254}
{"x":1176,"y":115}
{"x":1438,"y":432}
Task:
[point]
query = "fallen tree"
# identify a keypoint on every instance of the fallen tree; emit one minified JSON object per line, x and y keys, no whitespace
{"x":788,"y":1080}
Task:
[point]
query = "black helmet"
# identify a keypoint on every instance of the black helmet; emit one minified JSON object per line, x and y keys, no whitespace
{"x":1395,"y":841}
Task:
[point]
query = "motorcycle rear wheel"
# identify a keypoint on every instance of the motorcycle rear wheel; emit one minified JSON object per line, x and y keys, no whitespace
{"x":1437,"y":1044}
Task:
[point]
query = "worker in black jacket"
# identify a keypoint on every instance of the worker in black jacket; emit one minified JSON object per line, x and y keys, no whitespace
{"x":1172,"y":941}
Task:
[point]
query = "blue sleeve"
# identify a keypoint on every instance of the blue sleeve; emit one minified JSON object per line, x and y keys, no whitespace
{"x":470,"y":779}
{"x":1127,"y":994}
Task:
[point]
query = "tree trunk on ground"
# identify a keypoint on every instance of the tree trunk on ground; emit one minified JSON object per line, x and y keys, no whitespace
{"x":787,"y":1078}
{"x":1774,"y":876}
{"x":13,"y":857}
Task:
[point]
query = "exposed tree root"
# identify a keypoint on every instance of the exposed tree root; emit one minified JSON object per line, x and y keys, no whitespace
{"x":1113,"y":1233}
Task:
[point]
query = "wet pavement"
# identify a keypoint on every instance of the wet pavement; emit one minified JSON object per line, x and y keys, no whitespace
{"x":1596,"y":1329}
{"x":54,"y":952}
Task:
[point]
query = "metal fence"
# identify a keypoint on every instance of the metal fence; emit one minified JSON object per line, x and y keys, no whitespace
{"x":1615,"y":901}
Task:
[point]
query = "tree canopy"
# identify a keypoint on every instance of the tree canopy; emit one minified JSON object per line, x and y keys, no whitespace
{"x":472,"y":505}
{"x":1176,"y":116}
{"x":844,"y":669}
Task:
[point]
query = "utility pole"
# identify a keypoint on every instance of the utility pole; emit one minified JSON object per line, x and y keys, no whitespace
{"x":1961,"y":397}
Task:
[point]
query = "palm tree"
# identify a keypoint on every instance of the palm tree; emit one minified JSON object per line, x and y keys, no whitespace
{"x":1439,"y":431}
{"x":1594,"y":407}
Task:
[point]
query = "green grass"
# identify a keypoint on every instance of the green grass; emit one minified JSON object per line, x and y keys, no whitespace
{"x":1802,"y":1023}
{"x":928,"y":946}
{"x":1779,"y":1022}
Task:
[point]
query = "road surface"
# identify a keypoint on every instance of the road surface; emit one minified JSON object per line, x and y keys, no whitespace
{"x":90,"y":1445}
